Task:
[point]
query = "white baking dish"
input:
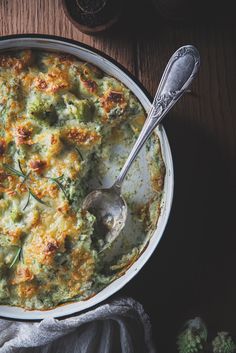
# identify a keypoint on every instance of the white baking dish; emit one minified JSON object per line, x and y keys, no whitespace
{"x":109,"y":66}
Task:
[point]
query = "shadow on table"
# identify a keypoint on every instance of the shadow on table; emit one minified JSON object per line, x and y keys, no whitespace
{"x":192,"y":270}
{"x":142,"y":18}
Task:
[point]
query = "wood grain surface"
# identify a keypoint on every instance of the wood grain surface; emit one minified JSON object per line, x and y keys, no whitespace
{"x":193,"y":270}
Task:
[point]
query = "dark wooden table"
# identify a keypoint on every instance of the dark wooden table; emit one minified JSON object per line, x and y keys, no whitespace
{"x":193,"y":270}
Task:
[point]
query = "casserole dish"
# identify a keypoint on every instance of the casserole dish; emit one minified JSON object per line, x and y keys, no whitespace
{"x":138,"y":183}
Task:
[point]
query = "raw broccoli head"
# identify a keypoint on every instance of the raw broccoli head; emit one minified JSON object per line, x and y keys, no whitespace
{"x":193,"y":338}
{"x":223,"y":343}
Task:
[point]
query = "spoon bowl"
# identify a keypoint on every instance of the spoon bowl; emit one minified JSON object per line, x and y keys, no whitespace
{"x":110,"y":211}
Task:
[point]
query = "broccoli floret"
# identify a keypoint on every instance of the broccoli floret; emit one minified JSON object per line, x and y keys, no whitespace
{"x":15,"y":215}
{"x":42,"y":110}
{"x":80,"y":109}
{"x":115,"y":113}
{"x":193,"y":338}
{"x":134,"y":107}
{"x":223,"y":343}
{"x":3,"y":206}
{"x":4,"y":292}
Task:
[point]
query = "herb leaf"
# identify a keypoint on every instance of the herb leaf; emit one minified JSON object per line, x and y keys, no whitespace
{"x":36,"y":197}
{"x":20,"y":167}
{"x":16,"y":258}
{"x":61,"y":187}
{"x":21,"y":174}
{"x":58,"y":178}
{"x":79,"y":153}
{"x":30,"y":193}
{"x":14,"y":171}
{"x":25,"y":175}
{"x":57,"y":181}
{"x":27,"y":202}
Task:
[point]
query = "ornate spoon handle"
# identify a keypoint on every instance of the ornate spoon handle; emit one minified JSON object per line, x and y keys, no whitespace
{"x":178,"y":75}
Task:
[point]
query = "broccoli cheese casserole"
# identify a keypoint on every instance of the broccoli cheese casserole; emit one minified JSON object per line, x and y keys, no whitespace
{"x":59,"y":120}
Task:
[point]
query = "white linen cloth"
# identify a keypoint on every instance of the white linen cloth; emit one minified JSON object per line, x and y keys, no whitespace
{"x":121,"y":326}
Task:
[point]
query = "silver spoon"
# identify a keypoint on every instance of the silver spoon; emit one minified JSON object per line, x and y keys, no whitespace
{"x":107,"y":205}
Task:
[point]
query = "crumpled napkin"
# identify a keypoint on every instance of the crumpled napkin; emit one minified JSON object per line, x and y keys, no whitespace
{"x":121,"y":326}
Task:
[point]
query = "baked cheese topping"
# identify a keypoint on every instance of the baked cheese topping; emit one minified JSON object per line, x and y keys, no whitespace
{"x":57,"y":114}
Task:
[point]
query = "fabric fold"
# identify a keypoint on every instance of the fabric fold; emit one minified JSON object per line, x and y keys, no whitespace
{"x":121,"y":326}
